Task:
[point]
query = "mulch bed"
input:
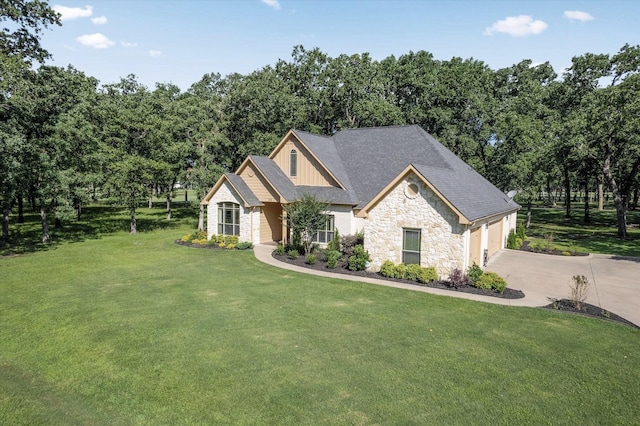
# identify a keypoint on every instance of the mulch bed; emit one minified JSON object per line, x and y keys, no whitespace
{"x":526,"y":247}
{"x":566,"y":305}
{"x":444,"y":285}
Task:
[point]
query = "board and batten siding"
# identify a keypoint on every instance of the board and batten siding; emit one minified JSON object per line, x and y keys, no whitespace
{"x":258,"y":184}
{"x":310,"y":172}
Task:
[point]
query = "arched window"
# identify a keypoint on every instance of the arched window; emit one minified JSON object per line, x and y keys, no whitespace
{"x":293,"y":163}
{"x":228,"y":219}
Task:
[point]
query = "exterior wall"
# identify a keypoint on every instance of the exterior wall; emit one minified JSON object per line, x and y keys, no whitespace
{"x":226,"y":193}
{"x":343,"y":216}
{"x":260,"y":187}
{"x":442,"y":237}
{"x":310,"y":171}
{"x":508,"y":223}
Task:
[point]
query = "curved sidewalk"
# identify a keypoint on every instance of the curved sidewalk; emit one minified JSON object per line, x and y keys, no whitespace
{"x":615,"y":280}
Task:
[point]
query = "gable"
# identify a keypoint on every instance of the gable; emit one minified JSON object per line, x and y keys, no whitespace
{"x":411,"y":173}
{"x":310,"y":172}
{"x":258,"y":184}
{"x":238,"y":185}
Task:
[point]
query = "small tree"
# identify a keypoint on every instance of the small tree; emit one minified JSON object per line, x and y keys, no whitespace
{"x":579,"y":291}
{"x":305,"y":216}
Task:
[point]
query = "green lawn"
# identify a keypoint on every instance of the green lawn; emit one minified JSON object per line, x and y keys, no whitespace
{"x":133,"y":329}
{"x":572,"y":234}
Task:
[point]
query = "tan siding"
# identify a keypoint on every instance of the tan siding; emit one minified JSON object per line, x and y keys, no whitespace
{"x":475,"y":246}
{"x":495,"y":237}
{"x":270,"y":223}
{"x":259,"y":185}
{"x":310,"y":171}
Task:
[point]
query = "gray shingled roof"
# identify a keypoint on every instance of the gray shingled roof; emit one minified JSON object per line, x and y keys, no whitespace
{"x":366,"y":160}
{"x":276,"y":176}
{"x":245,"y":192}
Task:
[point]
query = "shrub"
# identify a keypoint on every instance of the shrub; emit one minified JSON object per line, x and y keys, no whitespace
{"x":196,"y":235}
{"x":520,"y":232}
{"x":400,"y":271}
{"x":360,"y":258}
{"x":349,"y":243}
{"x":413,"y":272}
{"x":293,"y":254}
{"x":231,"y":246}
{"x":280,"y":250}
{"x":388,"y":269}
{"x":579,"y":290}
{"x":457,"y":278}
{"x":332,"y":258}
{"x":491,"y":280}
{"x":512,"y":241}
{"x":335,"y":243}
{"x":222,"y":245}
{"x":474,"y":272}
{"x":244,"y":245}
{"x":230,"y":239}
{"x":311,"y":259}
{"x":566,"y":253}
{"x":538,"y":245}
{"x":427,"y":275}
{"x":549,"y":245}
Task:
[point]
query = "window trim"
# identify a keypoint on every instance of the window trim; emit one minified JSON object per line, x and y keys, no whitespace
{"x":293,"y":163}
{"x":328,"y":232}
{"x":406,"y":251}
{"x":223,"y":211}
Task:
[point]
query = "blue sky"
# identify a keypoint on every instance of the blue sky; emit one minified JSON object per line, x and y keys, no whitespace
{"x":178,"y":41}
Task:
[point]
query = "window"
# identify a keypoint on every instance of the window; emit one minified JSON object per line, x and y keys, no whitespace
{"x":228,"y":219}
{"x":411,"y":246}
{"x":293,"y":163}
{"x":325,"y":235}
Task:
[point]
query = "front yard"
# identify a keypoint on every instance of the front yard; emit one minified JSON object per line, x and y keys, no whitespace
{"x":138,"y":330}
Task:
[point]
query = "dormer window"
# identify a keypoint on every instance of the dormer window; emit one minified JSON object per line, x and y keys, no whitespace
{"x":293,"y":163}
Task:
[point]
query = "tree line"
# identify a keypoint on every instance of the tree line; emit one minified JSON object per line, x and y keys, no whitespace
{"x":66,"y":139}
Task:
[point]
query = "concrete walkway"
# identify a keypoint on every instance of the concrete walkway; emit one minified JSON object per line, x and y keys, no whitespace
{"x":615,"y":281}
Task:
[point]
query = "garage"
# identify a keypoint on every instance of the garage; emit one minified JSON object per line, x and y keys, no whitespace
{"x":475,"y":246}
{"x":494,"y":244}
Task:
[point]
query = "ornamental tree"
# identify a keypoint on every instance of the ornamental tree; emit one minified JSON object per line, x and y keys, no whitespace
{"x":304,"y":217}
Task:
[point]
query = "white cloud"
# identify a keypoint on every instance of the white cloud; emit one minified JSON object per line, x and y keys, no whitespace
{"x":127,"y":44}
{"x":517,"y":26}
{"x":99,"y":20}
{"x":155,"y":53}
{"x":272,"y":3}
{"x":577,"y":15}
{"x":69,"y":13}
{"x":97,"y":41}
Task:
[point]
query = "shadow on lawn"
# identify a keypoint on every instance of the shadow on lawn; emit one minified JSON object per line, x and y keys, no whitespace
{"x":96,"y":220}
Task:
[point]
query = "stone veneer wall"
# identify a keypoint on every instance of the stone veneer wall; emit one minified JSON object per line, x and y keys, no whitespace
{"x":442,"y":244}
{"x":226,"y":193}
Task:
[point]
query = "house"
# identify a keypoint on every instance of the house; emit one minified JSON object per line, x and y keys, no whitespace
{"x":415,"y":200}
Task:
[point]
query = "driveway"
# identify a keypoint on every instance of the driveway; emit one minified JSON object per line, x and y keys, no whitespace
{"x":615,"y":281}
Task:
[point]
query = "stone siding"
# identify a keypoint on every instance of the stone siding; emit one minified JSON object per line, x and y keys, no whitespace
{"x":226,"y":194}
{"x":442,"y":237}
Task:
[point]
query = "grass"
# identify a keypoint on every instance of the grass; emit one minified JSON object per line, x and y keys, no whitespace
{"x":572,"y":234}
{"x":133,"y":329}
